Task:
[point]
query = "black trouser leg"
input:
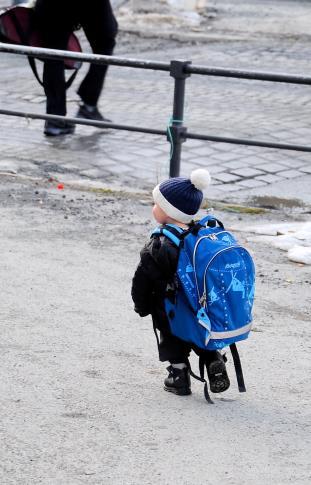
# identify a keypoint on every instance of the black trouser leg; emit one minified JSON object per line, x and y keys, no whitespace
{"x":55,"y":30}
{"x":54,"y":87}
{"x":173,"y":349}
{"x":54,"y":75}
{"x":177,"y":351}
{"x":100,"y":28}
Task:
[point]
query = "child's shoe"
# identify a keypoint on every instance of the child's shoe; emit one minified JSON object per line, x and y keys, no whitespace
{"x":178,"y":381}
{"x":217,"y":375}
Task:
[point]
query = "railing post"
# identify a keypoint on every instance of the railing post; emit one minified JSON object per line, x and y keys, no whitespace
{"x":177,"y":130}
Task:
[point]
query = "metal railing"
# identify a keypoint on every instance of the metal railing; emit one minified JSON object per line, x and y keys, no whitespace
{"x":177,"y":132}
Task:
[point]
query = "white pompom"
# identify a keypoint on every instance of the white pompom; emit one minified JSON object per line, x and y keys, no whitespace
{"x":200,"y":178}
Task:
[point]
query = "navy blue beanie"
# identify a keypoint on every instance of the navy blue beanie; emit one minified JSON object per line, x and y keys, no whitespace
{"x":180,"y":198}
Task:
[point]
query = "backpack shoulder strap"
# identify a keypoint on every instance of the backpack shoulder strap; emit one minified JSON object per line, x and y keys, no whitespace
{"x":172,"y":232}
{"x":25,"y":39}
{"x":33,"y":65}
{"x":238,"y":367}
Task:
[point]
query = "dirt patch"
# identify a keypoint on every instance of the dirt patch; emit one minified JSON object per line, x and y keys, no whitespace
{"x":272,"y":202}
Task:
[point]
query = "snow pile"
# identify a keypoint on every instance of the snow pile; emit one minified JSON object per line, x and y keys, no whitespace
{"x":300,"y":254}
{"x":163,"y":14}
{"x":186,"y":8}
{"x":293,"y":237}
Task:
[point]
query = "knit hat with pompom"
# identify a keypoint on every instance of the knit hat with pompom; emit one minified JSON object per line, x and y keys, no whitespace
{"x":180,"y":198}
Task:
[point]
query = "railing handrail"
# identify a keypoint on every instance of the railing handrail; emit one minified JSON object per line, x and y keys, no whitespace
{"x":179,"y":70}
{"x":156,"y":65}
{"x":82,"y":121}
{"x":249,"y":75}
{"x":85,"y":57}
{"x":154,"y":131}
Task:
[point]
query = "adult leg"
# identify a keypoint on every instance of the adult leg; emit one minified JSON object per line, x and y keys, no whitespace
{"x":54,"y":24}
{"x":55,"y":87}
{"x":100,"y":27}
{"x":55,"y":35}
{"x":54,"y":79}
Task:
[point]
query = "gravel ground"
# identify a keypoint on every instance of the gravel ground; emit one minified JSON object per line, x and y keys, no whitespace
{"x":82,"y":399}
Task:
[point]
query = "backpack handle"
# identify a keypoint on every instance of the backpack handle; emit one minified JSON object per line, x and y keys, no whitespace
{"x":207,"y":221}
{"x":176,"y":234}
{"x":211,"y":221}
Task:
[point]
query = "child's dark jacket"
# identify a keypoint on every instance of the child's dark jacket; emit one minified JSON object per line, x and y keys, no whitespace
{"x":157,"y":268}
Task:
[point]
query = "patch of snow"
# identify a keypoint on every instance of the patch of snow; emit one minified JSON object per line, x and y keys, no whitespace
{"x":164,"y":14}
{"x":293,"y":237}
{"x":277,"y":229}
{"x":183,"y":4}
{"x":285,"y":242}
{"x":300,"y":254}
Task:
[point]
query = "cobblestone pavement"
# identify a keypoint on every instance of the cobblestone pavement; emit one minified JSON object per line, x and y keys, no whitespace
{"x":218,"y":106}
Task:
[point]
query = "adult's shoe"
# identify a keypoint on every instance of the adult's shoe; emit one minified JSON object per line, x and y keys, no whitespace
{"x":91,"y":113}
{"x":57,"y":128}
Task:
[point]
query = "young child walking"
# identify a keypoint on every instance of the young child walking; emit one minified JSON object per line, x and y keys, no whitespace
{"x":176,"y":202}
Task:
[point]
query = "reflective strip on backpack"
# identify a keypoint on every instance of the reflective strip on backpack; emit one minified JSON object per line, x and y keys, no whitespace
{"x":231,"y":333}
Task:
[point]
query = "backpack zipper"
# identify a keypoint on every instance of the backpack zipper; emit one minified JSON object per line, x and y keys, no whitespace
{"x":202,"y":299}
{"x":208,"y":236}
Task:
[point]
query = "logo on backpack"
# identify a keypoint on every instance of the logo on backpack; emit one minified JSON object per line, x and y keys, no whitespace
{"x":232,"y":265}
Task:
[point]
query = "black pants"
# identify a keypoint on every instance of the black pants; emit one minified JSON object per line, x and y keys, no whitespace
{"x":56,"y":19}
{"x":177,"y":351}
{"x":173,"y":349}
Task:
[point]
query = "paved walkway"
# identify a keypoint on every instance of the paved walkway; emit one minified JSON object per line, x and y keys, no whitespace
{"x":248,"y":109}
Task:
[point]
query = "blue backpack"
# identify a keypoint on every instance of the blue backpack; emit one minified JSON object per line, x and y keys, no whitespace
{"x":211,"y":305}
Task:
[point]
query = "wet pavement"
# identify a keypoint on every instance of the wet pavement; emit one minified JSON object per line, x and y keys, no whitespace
{"x":215,"y":106}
